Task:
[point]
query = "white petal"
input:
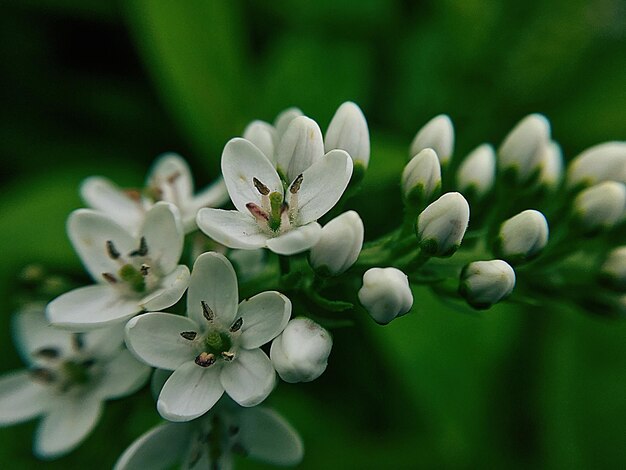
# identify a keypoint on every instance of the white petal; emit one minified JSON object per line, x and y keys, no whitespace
{"x":264,"y":316}
{"x":241,"y":162}
{"x":170,"y":174}
{"x":123,"y":375}
{"x":267,"y":436}
{"x":160,"y":448}
{"x":101,"y":194}
{"x":155,"y":339}
{"x":32,"y":331}
{"x":172,"y":288}
{"x":164,"y":235}
{"x":300,"y":147}
{"x":90,"y":307}
{"x":190,"y":392}
{"x":263,"y":135}
{"x":67,"y":425}
{"x":213,"y":281}
{"x":103,"y":342}
{"x":214,"y":195}
{"x":249,"y":378}
{"x":89,"y":232}
{"x":231,"y":228}
{"x":322,"y":185}
{"x":20,"y":397}
{"x":282,"y":121}
{"x":297,"y":240}
{"x":348,"y":131}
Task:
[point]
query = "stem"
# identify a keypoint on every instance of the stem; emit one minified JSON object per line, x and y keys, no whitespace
{"x":283,"y":262}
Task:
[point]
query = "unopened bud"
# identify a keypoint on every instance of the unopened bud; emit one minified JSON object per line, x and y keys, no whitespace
{"x":521,"y":149}
{"x":348,"y":131}
{"x":421,"y":178}
{"x":339,"y":245}
{"x":478,"y":171}
{"x":263,"y":136}
{"x":613,"y":270}
{"x":601,"y":206}
{"x":300,"y":147}
{"x":441,"y":226}
{"x":300,"y":353}
{"x":385,"y":294}
{"x":485,"y":283}
{"x":551,"y":165}
{"x":522,"y":237}
{"x":602,"y":162}
{"x":437,"y":134}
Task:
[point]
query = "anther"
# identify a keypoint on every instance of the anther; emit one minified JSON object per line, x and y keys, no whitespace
{"x":205,"y":359}
{"x":257,"y":212}
{"x":144,"y":269}
{"x":43,"y":375}
{"x":173,"y":177}
{"x":228,"y":356}
{"x":206,"y":311}
{"x":237,"y":325}
{"x":142,"y":250}
{"x":189,"y":335}
{"x":112,"y":251}
{"x":295,"y":186}
{"x":109,"y":278}
{"x":78,"y":341}
{"x":260,"y":187}
{"x":134,"y":194}
{"x":47,"y":353}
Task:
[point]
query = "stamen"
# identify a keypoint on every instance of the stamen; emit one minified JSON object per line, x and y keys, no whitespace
{"x":237,"y":325}
{"x":173,"y":177}
{"x":189,"y":335}
{"x":142,"y":250}
{"x":48,"y":353}
{"x":78,"y":341}
{"x":134,"y":194}
{"x":259,"y":214}
{"x":206,"y":311}
{"x":43,"y":375}
{"x":228,"y":356}
{"x":276,"y":207}
{"x":260,"y":187}
{"x":112,"y":252}
{"x":109,"y":278}
{"x":295,"y":186}
{"x":205,"y":359}
{"x":144,"y":269}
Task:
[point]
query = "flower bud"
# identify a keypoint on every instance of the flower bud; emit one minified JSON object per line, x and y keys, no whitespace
{"x":521,"y":149}
{"x":300,"y":353}
{"x":263,"y":136}
{"x":601,"y":206}
{"x":478,"y":171}
{"x":348,"y":131}
{"x":441,"y":226}
{"x":602,"y":162}
{"x":339,"y":245}
{"x":484,"y":283}
{"x":551,"y":165}
{"x":522,"y":237}
{"x":613,"y":270}
{"x":385,"y":294}
{"x":421,"y":178}
{"x":437,"y":134}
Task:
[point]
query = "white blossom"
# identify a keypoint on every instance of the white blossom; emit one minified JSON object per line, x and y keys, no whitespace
{"x":339,"y":245}
{"x":614,"y":267}
{"x":348,"y":131}
{"x":602,"y":162}
{"x":600,"y":206}
{"x":385,"y":294}
{"x":437,"y":134}
{"x":441,"y":226}
{"x":484,"y":283}
{"x":421,"y":177}
{"x":478,"y":171}
{"x":551,"y":165}
{"x":523,"y":236}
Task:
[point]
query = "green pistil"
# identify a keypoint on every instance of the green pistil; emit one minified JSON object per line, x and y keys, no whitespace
{"x":76,"y":372}
{"x":133,"y":276}
{"x":276,"y":206}
{"x":217,"y":342}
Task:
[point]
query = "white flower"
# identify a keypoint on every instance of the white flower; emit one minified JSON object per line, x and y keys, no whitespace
{"x":478,"y":171}
{"x":385,"y":294}
{"x":441,"y":226}
{"x":421,"y":177}
{"x":169,"y":180}
{"x":523,"y":236}
{"x":339,"y":245}
{"x":484,"y":283}
{"x":280,"y":215}
{"x":301,"y":146}
{"x":266,"y":136}
{"x":521,"y":150}
{"x":210,"y":441}
{"x":602,"y":162}
{"x":216,"y":347}
{"x":437,"y":134}
{"x":348,"y":131}
{"x":69,"y":376}
{"x":551,"y":165}
{"x":300,"y":353}
{"x":600,"y":206}
{"x":613,"y":269}
{"x":133,"y":273}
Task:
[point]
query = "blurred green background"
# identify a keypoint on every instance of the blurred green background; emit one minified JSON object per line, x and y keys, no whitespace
{"x":95,"y":87}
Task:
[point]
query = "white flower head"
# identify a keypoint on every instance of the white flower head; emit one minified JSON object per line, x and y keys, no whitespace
{"x":437,"y":134}
{"x":551,"y":165}
{"x":69,"y":376}
{"x":484,"y":283}
{"x":348,"y":131}
{"x":133,"y":272}
{"x":613,"y":269}
{"x":441,"y":226}
{"x":477,"y":173}
{"x":271,"y":212}
{"x":421,"y":177}
{"x":600,"y":206}
{"x":602,"y":162}
{"x":216,"y":347}
{"x":339,"y":245}
{"x":385,"y":294}
{"x":300,"y":353}
{"x":169,"y":180}
{"x":522,"y":237}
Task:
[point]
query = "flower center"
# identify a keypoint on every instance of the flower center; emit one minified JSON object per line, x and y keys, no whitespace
{"x":135,"y":274}
{"x":275,"y":215}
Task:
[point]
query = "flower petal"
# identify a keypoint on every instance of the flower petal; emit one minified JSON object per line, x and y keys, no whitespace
{"x":31,"y":332}
{"x":103,"y":342}
{"x":214,"y":195}
{"x":282,"y":121}
{"x":297,"y":240}
{"x":164,"y":235}
{"x":171,"y":177}
{"x":213,"y":281}
{"x":250,"y":378}
{"x":155,"y":339}
{"x":264,"y":316}
{"x":231,"y":228}
{"x":322,"y":185}
{"x":241,"y":162}
{"x":173,"y":287}
{"x":263,"y":135}
{"x":123,"y":375}
{"x":67,"y":425}
{"x":160,"y":448}
{"x":89,"y":232}
{"x":20,"y":397}
{"x":190,"y":392}
{"x":90,"y":307}
{"x":300,"y":147}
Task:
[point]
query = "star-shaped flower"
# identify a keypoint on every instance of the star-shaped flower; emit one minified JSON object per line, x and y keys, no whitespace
{"x":216,"y":347}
